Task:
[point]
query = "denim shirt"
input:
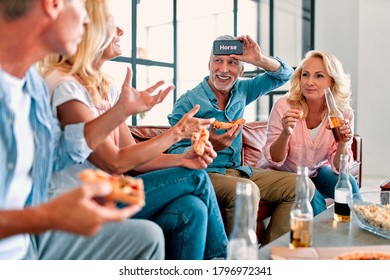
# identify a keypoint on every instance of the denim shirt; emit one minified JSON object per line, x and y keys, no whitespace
{"x":54,"y":149}
{"x":242,"y":94}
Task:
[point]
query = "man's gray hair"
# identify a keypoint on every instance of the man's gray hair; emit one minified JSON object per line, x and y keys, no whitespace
{"x":222,"y":37}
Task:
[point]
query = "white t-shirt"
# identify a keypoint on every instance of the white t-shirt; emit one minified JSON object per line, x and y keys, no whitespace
{"x":64,"y":88}
{"x":15,"y":247}
{"x":314,"y":131}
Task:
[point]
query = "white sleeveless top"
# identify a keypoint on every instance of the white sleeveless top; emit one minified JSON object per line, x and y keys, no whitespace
{"x":63,"y":88}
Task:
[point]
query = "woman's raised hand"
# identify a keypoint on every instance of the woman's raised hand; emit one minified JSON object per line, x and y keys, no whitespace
{"x":189,"y":124}
{"x":289,"y":120}
{"x":141,"y":101}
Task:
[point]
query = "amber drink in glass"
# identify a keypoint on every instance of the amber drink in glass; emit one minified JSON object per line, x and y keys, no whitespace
{"x":301,"y":214}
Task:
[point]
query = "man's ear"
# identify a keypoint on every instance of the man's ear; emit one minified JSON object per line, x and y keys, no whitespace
{"x":52,"y":8}
{"x":242,"y":69}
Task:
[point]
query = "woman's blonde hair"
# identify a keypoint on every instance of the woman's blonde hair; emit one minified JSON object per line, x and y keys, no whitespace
{"x":97,"y":36}
{"x":341,"y":87}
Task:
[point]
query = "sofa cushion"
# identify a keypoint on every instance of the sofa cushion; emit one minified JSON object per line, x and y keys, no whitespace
{"x":146,"y":132}
{"x":143,"y":133}
{"x":254,"y":136}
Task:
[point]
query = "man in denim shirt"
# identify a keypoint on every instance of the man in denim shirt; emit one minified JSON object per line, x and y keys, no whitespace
{"x":223,"y":97}
{"x":32,"y":145}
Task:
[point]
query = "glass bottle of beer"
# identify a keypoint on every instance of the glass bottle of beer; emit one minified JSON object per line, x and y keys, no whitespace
{"x":343,"y":189}
{"x":301,"y":214}
{"x":242,"y":240}
{"x":334,"y":116}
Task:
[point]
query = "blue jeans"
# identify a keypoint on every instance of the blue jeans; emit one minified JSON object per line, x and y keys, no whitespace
{"x":325,"y":182}
{"x":183,"y":203}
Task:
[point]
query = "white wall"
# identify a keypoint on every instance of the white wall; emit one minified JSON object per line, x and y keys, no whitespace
{"x":358,"y":33}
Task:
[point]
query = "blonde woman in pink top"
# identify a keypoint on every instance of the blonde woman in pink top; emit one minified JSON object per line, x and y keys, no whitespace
{"x":298,"y":129}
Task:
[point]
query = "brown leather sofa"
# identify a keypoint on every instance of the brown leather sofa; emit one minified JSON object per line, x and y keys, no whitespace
{"x":254,"y":137}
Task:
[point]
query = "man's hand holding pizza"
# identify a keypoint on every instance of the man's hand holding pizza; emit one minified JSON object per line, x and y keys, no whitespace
{"x":224,"y":140}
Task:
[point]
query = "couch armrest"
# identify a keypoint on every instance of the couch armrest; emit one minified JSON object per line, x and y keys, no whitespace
{"x":385,"y":186}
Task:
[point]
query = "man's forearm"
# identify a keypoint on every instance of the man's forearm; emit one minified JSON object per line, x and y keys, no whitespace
{"x":29,"y":220}
{"x":269,"y":64}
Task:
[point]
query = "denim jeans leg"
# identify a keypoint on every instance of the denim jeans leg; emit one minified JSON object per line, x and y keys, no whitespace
{"x":216,"y":241}
{"x":182,"y":221}
{"x":318,"y":203}
{"x":164,"y":186}
{"x":325,"y":183}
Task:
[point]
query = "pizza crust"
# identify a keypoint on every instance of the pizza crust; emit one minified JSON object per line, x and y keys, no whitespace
{"x":361,"y":255}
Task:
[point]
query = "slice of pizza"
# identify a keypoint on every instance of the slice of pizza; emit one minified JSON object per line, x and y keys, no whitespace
{"x":199,"y":141}
{"x":228,"y":125}
{"x":125,"y":189}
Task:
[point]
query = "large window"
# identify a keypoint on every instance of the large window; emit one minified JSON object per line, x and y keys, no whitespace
{"x":172,"y":42}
